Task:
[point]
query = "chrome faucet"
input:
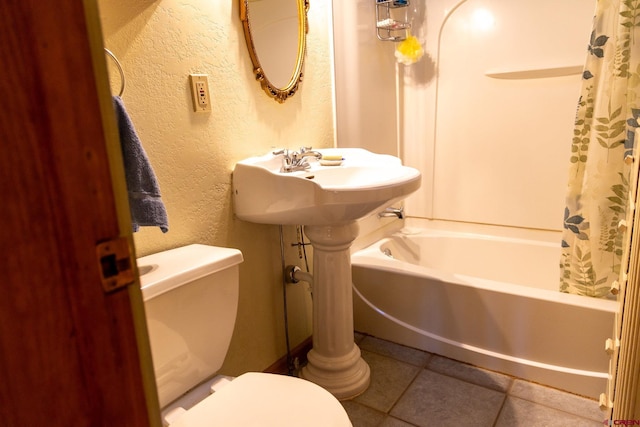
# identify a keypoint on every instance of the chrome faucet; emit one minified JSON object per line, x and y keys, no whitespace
{"x":296,"y":160}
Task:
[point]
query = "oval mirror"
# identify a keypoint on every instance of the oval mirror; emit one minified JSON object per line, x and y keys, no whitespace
{"x":275,"y":32}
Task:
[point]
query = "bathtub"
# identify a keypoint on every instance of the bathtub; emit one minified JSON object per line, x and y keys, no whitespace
{"x":491,"y":301}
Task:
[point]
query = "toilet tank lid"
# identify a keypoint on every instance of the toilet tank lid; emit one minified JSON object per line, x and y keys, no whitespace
{"x":164,"y":271}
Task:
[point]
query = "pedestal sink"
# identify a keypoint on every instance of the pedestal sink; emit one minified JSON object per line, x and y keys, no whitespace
{"x":326,"y":198}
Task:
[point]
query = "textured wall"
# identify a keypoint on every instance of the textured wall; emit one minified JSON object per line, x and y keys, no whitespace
{"x":159,"y":43}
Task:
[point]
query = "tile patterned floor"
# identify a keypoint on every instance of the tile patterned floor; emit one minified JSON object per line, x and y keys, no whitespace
{"x":412,"y":388}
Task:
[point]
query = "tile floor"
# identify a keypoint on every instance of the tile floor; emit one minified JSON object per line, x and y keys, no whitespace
{"x":414,"y":388}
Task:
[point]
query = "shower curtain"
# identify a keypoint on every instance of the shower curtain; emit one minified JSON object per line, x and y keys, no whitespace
{"x":604,"y":133}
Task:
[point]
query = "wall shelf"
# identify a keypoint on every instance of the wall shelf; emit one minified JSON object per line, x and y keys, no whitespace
{"x":535,"y":73}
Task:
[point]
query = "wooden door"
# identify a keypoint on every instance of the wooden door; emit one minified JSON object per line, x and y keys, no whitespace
{"x":69,"y":353}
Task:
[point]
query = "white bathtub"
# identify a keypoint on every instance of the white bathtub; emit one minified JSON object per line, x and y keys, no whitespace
{"x":485,"y":300}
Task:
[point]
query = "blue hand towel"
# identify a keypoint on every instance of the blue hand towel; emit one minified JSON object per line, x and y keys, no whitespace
{"x":147,"y":209}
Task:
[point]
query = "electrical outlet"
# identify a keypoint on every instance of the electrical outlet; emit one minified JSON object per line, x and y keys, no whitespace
{"x":200,"y":92}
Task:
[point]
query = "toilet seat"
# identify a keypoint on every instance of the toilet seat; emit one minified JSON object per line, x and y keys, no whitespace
{"x":267,"y":400}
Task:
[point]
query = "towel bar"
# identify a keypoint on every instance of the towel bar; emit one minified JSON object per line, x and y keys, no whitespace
{"x":120,"y":70}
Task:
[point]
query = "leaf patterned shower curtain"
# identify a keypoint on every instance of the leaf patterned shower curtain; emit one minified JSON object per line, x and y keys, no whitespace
{"x":604,"y":133}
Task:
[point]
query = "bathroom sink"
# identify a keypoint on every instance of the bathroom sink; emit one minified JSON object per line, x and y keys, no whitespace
{"x":329,"y":192}
{"x":326,"y":191}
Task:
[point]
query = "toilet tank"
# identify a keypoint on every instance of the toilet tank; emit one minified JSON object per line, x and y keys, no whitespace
{"x":190,"y":299}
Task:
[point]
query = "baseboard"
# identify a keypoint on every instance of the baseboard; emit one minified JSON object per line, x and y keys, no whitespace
{"x":300,"y":352}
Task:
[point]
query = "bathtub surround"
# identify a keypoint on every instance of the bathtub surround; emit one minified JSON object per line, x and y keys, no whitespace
{"x":501,"y":128}
{"x":600,"y":182}
{"x":478,"y":140}
{"x":159,"y":44}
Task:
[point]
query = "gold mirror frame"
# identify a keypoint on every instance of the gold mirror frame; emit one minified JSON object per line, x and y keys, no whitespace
{"x":277,"y":93}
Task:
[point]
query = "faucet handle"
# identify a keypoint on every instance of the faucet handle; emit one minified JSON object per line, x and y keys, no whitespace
{"x":305,"y":149}
{"x":280,"y":151}
{"x":303,"y":163}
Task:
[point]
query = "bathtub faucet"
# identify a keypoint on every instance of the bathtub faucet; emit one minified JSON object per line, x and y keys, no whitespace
{"x":397,"y":212}
{"x":296,"y":160}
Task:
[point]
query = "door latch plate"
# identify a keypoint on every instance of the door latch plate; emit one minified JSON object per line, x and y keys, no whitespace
{"x":114,"y":261}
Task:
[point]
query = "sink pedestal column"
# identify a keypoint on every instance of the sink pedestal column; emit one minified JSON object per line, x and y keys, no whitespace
{"x":334,"y":362}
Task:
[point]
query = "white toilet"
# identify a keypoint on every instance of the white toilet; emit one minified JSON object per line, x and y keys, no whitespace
{"x":191,"y":299}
